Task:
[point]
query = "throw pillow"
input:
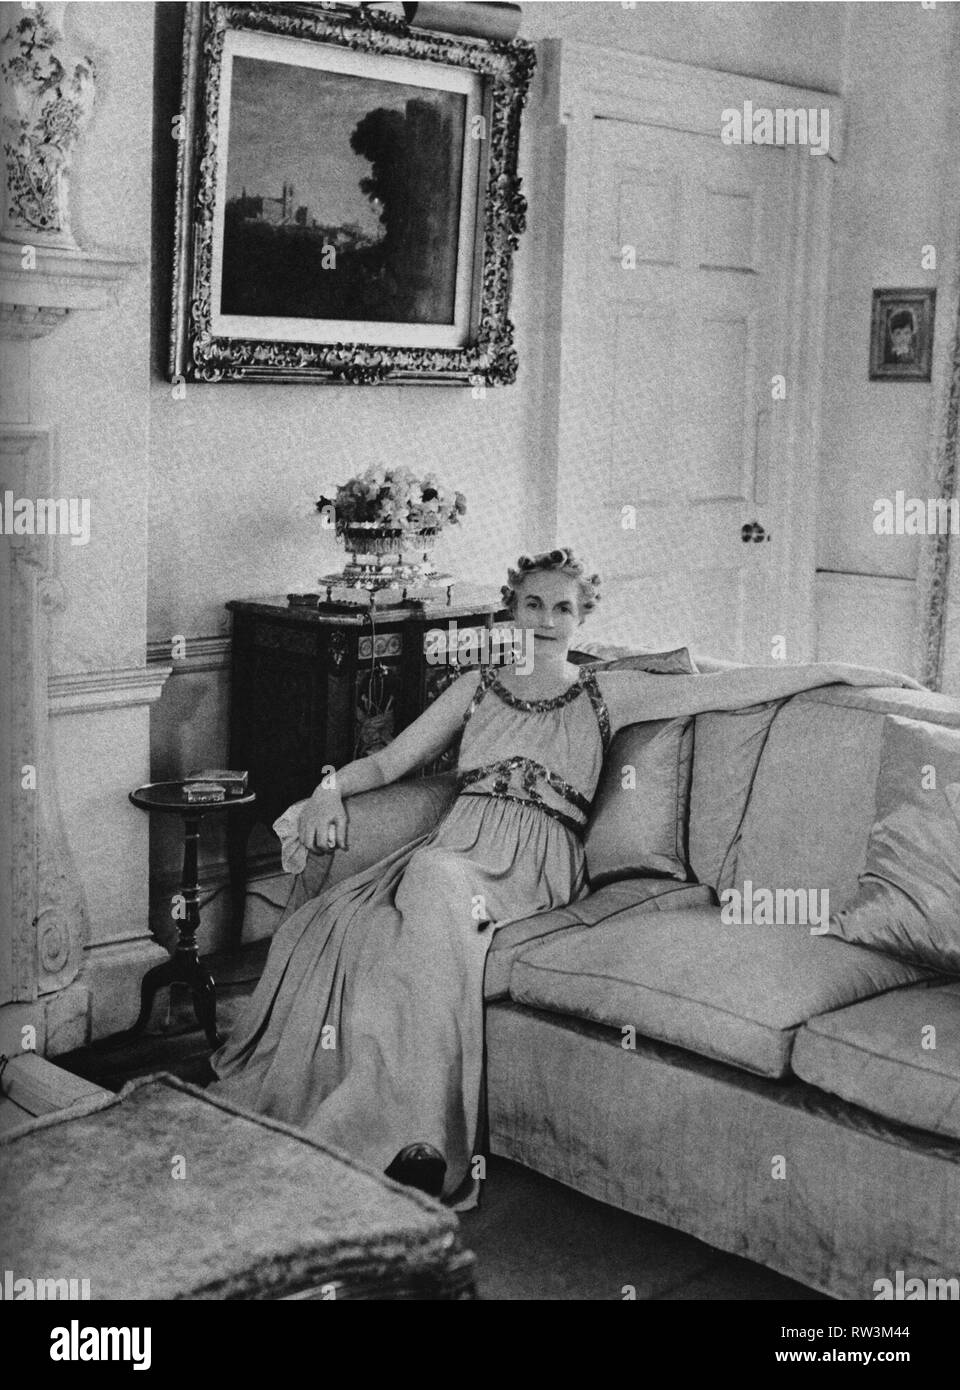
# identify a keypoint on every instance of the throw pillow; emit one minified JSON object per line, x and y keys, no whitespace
{"x":908,"y":902}
{"x":729,"y":747}
{"x":638,"y":828}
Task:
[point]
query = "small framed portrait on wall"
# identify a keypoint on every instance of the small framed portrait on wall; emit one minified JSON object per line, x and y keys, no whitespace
{"x":901,"y":334}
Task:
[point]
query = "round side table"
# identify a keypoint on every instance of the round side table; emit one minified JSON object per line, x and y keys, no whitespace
{"x":185,"y":965}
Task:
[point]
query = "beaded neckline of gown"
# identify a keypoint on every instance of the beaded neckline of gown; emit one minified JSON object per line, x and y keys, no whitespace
{"x":548,"y":702}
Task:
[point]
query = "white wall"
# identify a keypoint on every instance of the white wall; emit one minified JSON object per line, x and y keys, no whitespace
{"x":903,"y":133}
{"x":799,"y":43}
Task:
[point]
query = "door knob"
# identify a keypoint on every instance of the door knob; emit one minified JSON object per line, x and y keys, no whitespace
{"x":753,"y":531}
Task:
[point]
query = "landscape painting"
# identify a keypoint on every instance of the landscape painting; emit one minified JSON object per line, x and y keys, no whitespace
{"x":343,"y":197}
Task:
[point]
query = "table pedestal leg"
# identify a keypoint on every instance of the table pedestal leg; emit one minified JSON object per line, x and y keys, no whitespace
{"x":204,"y":993}
{"x":186,"y":959}
{"x":155,"y":979}
{"x":184,"y":966}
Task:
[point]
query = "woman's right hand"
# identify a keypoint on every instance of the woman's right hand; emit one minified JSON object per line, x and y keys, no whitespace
{"x":323,"y":821}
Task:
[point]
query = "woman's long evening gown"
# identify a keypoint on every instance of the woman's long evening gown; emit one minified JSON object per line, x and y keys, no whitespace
{"x":366,"y":1028}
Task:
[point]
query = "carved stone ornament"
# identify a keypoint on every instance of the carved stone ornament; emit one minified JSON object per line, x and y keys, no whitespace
{"x":48,"y":94}
{"x":47,"y":918}
{"x":485,"y":354}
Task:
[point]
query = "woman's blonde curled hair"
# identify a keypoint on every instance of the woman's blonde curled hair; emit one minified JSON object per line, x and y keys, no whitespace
{"x":562,"y":560}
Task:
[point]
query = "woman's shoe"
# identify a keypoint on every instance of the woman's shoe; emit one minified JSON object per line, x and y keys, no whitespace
{"x":420,"y":1166}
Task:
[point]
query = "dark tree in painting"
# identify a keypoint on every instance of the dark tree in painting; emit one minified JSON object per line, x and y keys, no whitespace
{"x":414,"y":184}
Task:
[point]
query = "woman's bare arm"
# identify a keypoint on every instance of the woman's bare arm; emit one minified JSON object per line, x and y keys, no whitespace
{"x":429,"y":735}
{"x":634,"y":696}
{"x":323,"y":820}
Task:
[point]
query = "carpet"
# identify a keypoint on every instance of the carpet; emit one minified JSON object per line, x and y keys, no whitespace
{"x":163,"y":1193}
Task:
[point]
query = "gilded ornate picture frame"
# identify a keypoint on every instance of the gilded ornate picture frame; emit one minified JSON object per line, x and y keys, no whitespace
{"x":348,"y":203}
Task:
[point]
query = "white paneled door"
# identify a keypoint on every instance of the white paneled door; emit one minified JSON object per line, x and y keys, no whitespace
{"x":680,"y":364}
{"x":687,"y":386}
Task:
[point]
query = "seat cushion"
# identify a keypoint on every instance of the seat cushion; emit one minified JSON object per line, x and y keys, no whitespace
{"x":897,"y":1055}
{"x":640,"y":894}
{"x":736,"y":993}
{"x":908,"y":902}
{"x":638,"y":828}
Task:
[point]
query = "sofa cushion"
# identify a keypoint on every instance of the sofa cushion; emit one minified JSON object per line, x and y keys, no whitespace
{"x":812,"y":802}
{"x":908,"y":902}
{"x":728,"y":748}
{"x":811,"y":809}
{"x":638,"y":827}
{"x":629,"y":894}
{"x":882,"y":1054}
{"x":736,"y":993}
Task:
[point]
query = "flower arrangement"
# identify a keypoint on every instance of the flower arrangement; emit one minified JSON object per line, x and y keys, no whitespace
{"x":393,"y":502}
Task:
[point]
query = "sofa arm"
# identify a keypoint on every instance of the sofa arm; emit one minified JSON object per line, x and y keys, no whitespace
{"x":379,"y":822}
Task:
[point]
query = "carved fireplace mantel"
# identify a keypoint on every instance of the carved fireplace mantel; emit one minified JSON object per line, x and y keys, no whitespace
{"x":40,"y":286}
{"x":44,"y":277}
{"x":45,"y":913}
{"x":42,"y":917}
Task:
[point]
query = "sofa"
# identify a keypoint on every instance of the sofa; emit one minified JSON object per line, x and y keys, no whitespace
{"x":774,"y":1090}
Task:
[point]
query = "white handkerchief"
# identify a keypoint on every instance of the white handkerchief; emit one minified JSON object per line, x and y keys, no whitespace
{"x":293,"y":853}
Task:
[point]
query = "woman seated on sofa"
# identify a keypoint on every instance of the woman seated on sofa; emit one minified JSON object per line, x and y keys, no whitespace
{"x":366,"y":1028}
